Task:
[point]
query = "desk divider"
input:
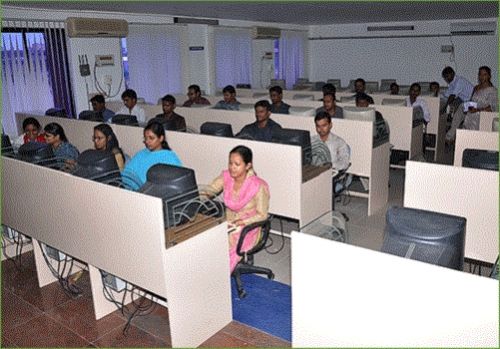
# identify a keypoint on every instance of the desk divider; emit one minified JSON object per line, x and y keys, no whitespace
{"x":461,"y":191}
{"x":485,"y":140}
{"x":486,"y":120}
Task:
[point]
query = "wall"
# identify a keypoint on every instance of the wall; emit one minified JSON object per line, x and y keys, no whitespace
{"x":410,"y":59}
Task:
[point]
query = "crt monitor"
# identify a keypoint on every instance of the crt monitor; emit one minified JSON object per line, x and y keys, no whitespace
{"x":125,"y":119}
{"x":394,"y":102}
{"x":97,"y":165}
{"x":360,"y":114}
{"x":425,"y":236}
{"x":58,"y":112}
{"x":480,"y":158}
{"x":178,"y":189}
{"x":36,"y":153}
{"x":168,"y":125}
{"x":301,"y":138}
{"x":91,"y":115}
{"x":216,"y":129}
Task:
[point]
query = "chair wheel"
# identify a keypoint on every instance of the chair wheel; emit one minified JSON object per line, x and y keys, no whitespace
{"x":271,"y":276}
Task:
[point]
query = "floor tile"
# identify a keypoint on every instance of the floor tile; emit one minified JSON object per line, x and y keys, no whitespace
{"x":155,"y":323}
{"x":135,"y":337}
{"x":224,"y":340}
{"x":16,"y":311}
{"x":253,"y":336}
{"x":45,"y":332}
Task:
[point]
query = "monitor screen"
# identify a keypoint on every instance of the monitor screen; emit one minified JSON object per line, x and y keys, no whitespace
{"x":124,"y":119}
{"x":97,"y":165}
{"x":360,"y":114}
{"x":216,"y":129}
{"x":426,"y":236}
{"x":480,"y":158}
{"x":301,"y":138}
{"x":178,"y":189}
{"x":35,"y":152}
{"x":91,"y":115}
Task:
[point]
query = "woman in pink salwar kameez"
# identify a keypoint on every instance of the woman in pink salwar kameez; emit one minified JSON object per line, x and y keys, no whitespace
{"x":246,"y":197}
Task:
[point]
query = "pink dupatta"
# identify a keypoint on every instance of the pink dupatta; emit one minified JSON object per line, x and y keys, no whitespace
{"x":248,"y":190}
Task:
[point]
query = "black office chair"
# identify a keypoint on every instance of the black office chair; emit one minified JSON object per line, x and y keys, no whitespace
{"x":245,"y":265}
{"x":342,"y":178}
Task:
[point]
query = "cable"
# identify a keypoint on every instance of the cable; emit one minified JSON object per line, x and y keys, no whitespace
{"x":272,"y":242}
{"x":101,"y":90}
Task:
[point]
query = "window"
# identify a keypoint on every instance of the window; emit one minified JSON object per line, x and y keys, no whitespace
{"x":126,"y":74}
{"x":276,"y":58}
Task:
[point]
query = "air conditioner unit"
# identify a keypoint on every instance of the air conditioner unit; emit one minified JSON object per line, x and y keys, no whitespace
{"x":473,"y":28}
{"x":96,"y":27}
{"x":265,"y":33}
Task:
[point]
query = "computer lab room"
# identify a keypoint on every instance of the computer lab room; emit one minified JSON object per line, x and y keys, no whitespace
{"x":250,"y":174}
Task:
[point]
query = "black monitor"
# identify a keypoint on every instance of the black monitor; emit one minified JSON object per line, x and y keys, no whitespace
{"x":98,"y":165}
{"x":301,"y":138}
{"x":58,"y":112}
{"x":216,"y":129}
{"x":36,"y":153}
{"x":479,"y":158}
{"x":426,"y":236}
{"x":6,"y":144}
{"x":125,"y":119}
{"x":91,"y":115}
{"x":168,"y":125}
{"x":177,"y":187}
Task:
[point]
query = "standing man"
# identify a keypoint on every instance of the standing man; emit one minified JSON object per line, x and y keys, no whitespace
{"x":194,"y":97}
{"x":278,"y":106}
{"x":99,"y":106}
{"x":459,"y":88}
{"x":129,"y":98}
{"x":264,"y":127}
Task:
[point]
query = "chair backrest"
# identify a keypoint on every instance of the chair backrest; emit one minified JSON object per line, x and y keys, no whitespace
{"x":261,"y":243}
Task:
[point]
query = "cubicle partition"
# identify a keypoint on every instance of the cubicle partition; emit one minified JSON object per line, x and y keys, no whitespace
{"x":461,"y":191}
{"x":121,"y":232}
{"x":280,"y":165}
{"x":486,"y":120}
{"x":348,"y":296}
{"x":484,"y":140}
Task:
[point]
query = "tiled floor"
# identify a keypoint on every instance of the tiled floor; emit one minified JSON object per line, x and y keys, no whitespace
{"x":47,"y":317}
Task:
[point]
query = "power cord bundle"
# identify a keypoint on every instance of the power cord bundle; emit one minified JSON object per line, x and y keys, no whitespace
{"x":17,"y":239}
{"x":61,"y":274}
{"x":271,"y":239}
{"x":141,"y":307}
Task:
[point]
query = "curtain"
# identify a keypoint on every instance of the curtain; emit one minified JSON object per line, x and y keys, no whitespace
{"x":25,"y":78}
{"x":233,"y":57}
{"x":292,"y":47}
{"x":154,"y":60}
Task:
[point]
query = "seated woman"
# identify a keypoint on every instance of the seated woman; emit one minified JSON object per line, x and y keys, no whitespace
{"x":31,"y":128}
{"x":63,"y":150}
{"x":105,"y":139}
{"x":246,"y":197}
{"x":157,"y":152}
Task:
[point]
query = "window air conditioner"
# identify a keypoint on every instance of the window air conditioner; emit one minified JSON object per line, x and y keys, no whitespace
{"x":473,"y":28}
{"x":265,"y":33}
{"x":96,"y":27}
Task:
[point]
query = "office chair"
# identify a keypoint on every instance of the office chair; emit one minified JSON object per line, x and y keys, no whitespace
{"x":245,"y":265}
{"x":341,"y":180}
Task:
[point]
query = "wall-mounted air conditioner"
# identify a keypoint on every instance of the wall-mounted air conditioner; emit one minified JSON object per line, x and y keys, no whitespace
{"x":265,"y":33}
{"x":96,"y":27}
{"x":473,"y":28}
{"x":385,"y":28}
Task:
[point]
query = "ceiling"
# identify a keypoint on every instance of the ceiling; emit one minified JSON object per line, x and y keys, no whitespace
{"x":303,"y":13}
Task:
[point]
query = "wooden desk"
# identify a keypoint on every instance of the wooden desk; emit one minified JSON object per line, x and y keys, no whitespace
{"x":122,"y":232}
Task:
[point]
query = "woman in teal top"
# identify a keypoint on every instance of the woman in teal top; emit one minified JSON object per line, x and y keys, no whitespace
{"x":157,"y":151}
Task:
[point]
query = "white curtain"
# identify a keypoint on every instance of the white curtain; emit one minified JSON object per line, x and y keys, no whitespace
{"x":154,"y":59}
{"x":233,"y":56}
{"x":25,"y":81}
{"x":291,"y":52}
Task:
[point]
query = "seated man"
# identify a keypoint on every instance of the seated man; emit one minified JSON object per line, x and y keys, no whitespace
{"x":264,"y":127}
{"x":434,"y":88}
{"x":328,"y":88}
{"x":330,"y":107}
{"x":278,"y":106}
{"x":359,"y":87}
{"x":129,"y":98}
{"x":394,"y":88}
{"x":414,"y":100}
{"x":229,"y":102}
{"x":194,"y":97}
{"x":174,"y":121}
{"x":99,"y":105}
{"x":459,"y":88}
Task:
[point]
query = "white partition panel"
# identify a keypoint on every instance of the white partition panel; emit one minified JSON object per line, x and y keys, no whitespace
{"x":465,"y":192}
{"x":486,"y":120}
{"x":348,"y":296}
{"x":485,"y":140}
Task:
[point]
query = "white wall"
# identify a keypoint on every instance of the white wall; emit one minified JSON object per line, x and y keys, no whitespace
{"x":405,"y":59}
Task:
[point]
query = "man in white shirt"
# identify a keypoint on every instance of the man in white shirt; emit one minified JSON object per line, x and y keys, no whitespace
{"x":459,"y":88}
{"x":414,"y":100}
{"x":129,"y":98}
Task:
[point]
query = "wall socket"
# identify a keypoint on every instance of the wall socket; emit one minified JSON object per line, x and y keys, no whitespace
{"x":447,"y":48}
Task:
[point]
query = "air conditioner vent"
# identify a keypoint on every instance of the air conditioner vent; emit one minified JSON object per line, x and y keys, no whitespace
{"x":265,"y":33}
{"x":473,"y":28}
{"x":390,"y":28}
{"x":96,"y":27}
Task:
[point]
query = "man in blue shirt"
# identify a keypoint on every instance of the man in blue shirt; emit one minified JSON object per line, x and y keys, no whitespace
{"x":263,"y":128}
{"x":99,"y":105}
{"x":459,"y":88}
{"x":229,"y":102}
{"x":278,"y":106}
